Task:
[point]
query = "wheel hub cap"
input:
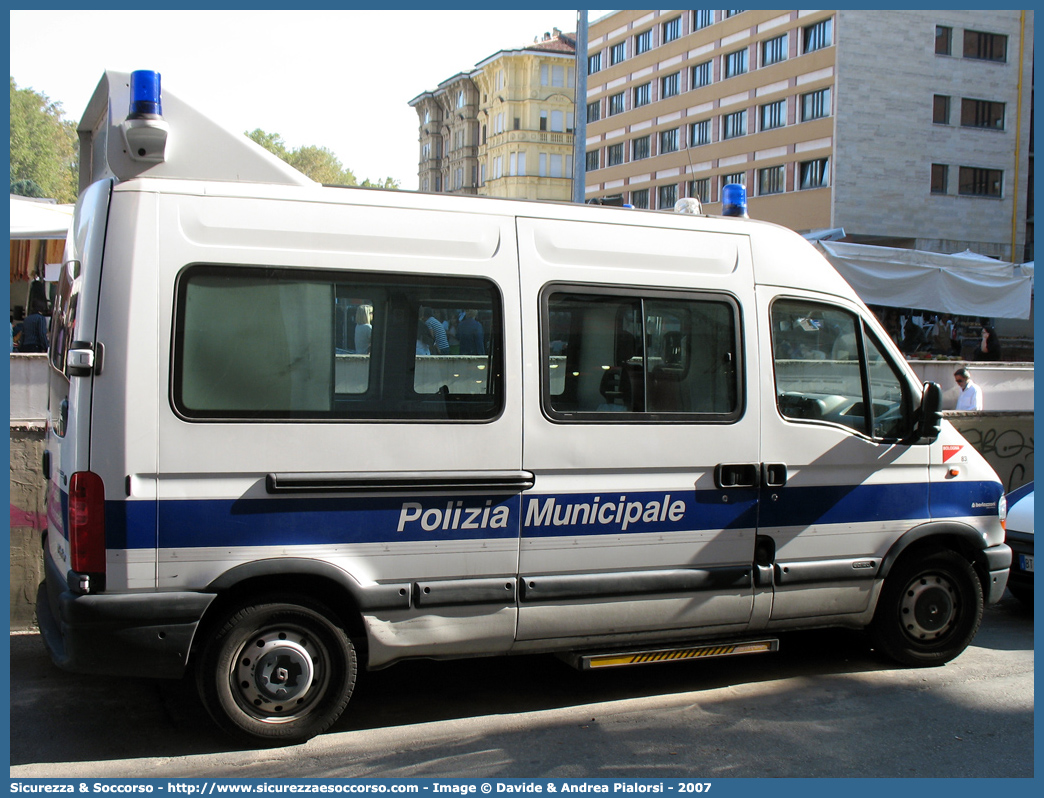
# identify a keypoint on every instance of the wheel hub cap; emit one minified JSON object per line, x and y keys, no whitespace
{"x":275,"y":672}
{"x":928,"y":607}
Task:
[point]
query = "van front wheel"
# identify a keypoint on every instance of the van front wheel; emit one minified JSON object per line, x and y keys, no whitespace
{"x":280,"y":670}
{"x":930,"y":609}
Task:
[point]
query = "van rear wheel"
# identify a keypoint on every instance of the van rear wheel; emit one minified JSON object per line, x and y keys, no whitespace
{"x":930,"y":608}
{"x":280,"y":670}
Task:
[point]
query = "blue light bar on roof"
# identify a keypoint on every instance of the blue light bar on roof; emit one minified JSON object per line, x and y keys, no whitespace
{"x":734,"y":200}
{"x":145,"y":94}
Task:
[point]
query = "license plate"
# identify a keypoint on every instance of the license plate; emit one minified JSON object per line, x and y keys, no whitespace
{"x":1026,"y":563}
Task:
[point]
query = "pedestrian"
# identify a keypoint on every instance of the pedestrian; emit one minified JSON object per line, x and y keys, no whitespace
{"x":970,"y":397}
{"x":989,"y":345}
{"x":470,"y":333}
{"x":34,"y":329}
{"x":437,"y":331}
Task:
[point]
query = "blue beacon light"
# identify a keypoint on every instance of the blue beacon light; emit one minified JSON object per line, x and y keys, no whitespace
{"x":145,"y":94}
{"x":734,"y":200}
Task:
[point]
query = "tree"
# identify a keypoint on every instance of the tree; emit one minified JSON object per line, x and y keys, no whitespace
{"x":44,"y":149}
{"x":318,"y":163}
{"x":322,"y":166}
{"x":388,"y":182}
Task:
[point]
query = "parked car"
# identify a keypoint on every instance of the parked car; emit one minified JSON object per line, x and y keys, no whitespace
{"x":1019,"y":536}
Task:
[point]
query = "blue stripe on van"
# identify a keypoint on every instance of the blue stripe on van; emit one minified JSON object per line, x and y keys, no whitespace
{"x":343,"y":520}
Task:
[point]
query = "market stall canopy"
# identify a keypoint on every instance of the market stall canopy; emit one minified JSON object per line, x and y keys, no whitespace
{"x":34,"y":219}
{"x":965,"y":285}
{"x":38,"y":230}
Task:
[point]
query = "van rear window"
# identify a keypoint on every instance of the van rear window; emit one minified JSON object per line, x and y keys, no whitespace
{"x":254,"y":343}
{"x":642,"y":357}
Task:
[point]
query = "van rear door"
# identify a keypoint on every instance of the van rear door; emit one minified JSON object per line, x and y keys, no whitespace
{"x":642,"y":431}
{"x":71,"y":374}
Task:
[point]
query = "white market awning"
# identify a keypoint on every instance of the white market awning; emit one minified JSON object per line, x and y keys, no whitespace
{"x":33,"y":219}
{"x":964,"y":285}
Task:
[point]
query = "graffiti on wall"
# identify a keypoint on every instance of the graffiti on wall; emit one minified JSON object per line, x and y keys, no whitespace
{"x":1007,"y":445}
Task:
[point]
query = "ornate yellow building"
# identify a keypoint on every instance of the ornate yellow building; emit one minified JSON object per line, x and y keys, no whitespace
{"x":504,"y":129}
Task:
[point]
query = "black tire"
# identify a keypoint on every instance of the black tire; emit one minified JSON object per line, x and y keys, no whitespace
{"x":930,"y":608}
{"x":280,"y":670}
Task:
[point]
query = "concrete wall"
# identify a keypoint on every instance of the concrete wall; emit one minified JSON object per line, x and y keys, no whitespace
{"x":1006,"y":387}
{"x":28,"y":389}
{"x":1004,"y":439}
{"x":27,"y":521}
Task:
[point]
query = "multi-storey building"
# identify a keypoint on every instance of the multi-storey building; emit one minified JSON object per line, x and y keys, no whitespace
{"x":504,"y":129}
{"x":906,"y":128}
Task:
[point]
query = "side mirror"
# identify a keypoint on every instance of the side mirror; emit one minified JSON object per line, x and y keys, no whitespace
{"x":929,"y":423}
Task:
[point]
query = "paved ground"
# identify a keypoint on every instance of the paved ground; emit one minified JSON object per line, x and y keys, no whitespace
{"x":825,"y":706}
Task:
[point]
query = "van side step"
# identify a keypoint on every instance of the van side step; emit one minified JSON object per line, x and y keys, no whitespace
{"x":592,"y":661}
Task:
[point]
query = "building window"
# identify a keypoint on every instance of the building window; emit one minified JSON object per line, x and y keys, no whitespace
{"x":982,"y":113}
{"x":729,"y":14}
{"x":943,"y":40}
{"x":973,"y":182}
{"x":700,"y":189}
{"x":618,"y":53}
{"x":734,"y":125}
{"x":593,"y":111}
{"x":701,"y":19}
{"x":671,"y":30}
{"x":642,"y":95}
{"x":772,"y":180}
{"x":985,"y":46}
{"x":594,"y":63}
{"x":640,"y":198}
{"x":616,"y":104}
{"x":666,"y":197}
{"x":615,"y":154}
{"x":591,"y":161}
{"x":701,"y":75}
{"x":670,"y":85}
{"x":557,"y":122}
{"x":668,"y":141}
{"x":700,"y":133}
{"x":739,"y":178}
{"x":941,"y":110}
{"x":736,"y":63}
{"x":940,"y":178}
{"x":643,"y":42}
{"x":815,"y":174}
{"x":774,"y":50}
{"x":815,"y":105}
{"x":774,"y":115}
{"x":818,"y":36}
{"x":640,"y":148}
{"x":543,"y":120}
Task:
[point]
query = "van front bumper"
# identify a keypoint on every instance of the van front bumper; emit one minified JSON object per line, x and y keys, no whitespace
{"x":996,"y":560}
{"x":126,"y":634}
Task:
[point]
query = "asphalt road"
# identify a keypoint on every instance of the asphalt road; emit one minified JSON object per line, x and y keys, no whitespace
{"x":824,"y":706}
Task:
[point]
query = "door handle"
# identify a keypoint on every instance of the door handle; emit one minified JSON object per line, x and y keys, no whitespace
{"x":773,"y":475}
{"x":736,"y":475}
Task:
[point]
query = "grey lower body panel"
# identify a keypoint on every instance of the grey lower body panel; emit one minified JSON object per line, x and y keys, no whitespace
{"x":118,"y":634}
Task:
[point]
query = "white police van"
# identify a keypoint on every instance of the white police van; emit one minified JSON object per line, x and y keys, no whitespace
{"x":640,"y":437}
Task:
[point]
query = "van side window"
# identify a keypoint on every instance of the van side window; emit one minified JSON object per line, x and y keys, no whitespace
{"x":652,"y":357}
{"x":829,"y":367}
{"x":260,"y":343}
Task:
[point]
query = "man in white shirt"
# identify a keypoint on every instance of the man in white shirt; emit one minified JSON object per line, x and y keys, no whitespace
{"x":970,"y":397}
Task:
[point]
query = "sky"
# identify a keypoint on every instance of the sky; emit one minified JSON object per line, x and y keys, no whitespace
{"x":335,"y":79}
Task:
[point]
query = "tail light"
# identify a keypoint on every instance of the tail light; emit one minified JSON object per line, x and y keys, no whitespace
{"x":87,"y":526}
